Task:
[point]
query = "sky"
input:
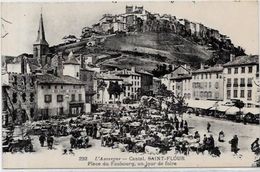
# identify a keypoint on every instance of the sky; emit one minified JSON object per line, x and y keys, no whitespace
{"x":238,"y":20}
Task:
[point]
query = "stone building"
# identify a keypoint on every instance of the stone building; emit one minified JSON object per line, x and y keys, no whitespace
{"x":146,"y":82}
{"x":207,"y":83}
{"x":241,"y":80}
{"x":20,"y":96}
{"x":59,"y":96}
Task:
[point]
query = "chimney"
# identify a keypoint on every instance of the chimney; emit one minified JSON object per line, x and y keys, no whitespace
{"x":201,"y":66}
{"x":232,"y":57}
{"x":133,"y":69}
{"x":185,"y":66}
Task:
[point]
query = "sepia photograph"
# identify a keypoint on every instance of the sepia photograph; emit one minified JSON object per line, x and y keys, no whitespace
{"x":130,"y":85}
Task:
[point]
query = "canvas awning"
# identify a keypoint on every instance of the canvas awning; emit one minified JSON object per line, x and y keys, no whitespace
{"x":222,"y":108}
{"x":202,"y":104}
{"x":232,"y":110}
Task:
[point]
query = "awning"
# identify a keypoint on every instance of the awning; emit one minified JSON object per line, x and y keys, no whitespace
{"x":232,"y":110}
{"x":251,"y":110}
{"x":222,"y":108}
{"x":202,"y":104}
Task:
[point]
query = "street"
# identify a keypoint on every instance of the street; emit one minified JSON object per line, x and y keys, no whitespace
{"x":246,"y":135}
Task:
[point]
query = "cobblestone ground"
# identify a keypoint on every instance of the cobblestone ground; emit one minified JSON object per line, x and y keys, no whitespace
{"x":54,"y":158}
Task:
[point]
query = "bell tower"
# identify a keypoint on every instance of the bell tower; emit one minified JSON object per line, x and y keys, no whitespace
{"x":41,"y":46}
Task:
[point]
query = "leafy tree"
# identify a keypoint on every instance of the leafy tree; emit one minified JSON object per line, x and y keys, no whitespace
{"x":115,"y":89}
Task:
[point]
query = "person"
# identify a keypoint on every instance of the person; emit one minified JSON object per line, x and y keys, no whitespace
{"x":42,"y":139}
{"x":255,"y":146}
{"x":72,"y":141}
{"x":181,"y":124}
{"x":221,"y":136}
{"x":234,"y":144}
{"x":185,"y":123}
{"x":197,"y":136}
{"x":50,"y":142}
{"x":64,"y":152}
{"x":205,"y":139}
{"x":208,"y":127}
{"x":211,"y":144}
{"x":177,"y":124}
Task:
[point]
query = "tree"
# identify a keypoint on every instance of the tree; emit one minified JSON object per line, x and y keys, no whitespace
{"x":115,"y":89}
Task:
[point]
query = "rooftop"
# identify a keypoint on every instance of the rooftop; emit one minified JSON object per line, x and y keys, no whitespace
{"x":51,"y":79}
{"x":243,"y":60}
{"x":209,"y":70}
{"x":71,"y":59}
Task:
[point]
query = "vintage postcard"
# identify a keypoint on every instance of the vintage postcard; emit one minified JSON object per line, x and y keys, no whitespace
{"x":108,"y":85}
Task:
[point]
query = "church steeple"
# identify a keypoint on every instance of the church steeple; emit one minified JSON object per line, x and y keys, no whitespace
{"x":41,"y":34}
{"x":41,"y":46}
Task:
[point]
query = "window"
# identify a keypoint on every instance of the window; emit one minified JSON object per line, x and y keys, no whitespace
{"x":235,"y":94}
{"x":243,"y":70}
{"x":49,"y":87}
{"x":249,"y":82}
{"x":249,"y":95}
{"x":42,"y":87}
{"x":110,"y":96}
{"x":61,"y":110}
{"x":201,"y":94}
{"x":229,"y":82}
{"x":210,"y":76}
{"x":250,"y":69}
{"x":216,"y":85}
{"x":217,"y":76}
{"x":80,"y":97}
{"x":47,"y":98}
{"x":206,"y":76}
{"x":77,"y":74}
{"x":242,"y":93}
{"x":216,"y":95}
{"x":72,"y":97}
{"x":55,"y":86}
{"x":228,"y":94}
{"x":236,"y":70}
{"x":61,"y":86}
{"x":235,"y":82}
{"x":229,"y":70}
{"x":242,"y":82}
{"x":59,"y":98}
{"x":201,"y":76}
{"x":98,"y":96}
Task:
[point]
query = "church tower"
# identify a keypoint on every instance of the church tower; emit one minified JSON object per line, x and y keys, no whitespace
{"x":41,"y":46}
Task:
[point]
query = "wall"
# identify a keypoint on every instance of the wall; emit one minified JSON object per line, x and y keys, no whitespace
{"x":22,"y":93}
{"x":71,"y":70}
{"x":54,"y":90}
{"x":208,"y":87}
{"x":15,"y":68}
{"x":254,"y":100}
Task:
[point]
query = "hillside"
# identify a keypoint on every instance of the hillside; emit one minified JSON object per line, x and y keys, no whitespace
{"x":145,"y":50}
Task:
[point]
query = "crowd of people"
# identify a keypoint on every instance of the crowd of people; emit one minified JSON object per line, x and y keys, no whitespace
{"x":142,"y":129}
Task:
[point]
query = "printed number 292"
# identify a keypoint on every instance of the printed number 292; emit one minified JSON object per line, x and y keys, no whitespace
{"x":83,"y":158}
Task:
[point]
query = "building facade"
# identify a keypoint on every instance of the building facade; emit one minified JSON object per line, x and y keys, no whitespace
{"x":241,"y":80}
{"x":208,"y":83}
{"x":59,"y":96}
